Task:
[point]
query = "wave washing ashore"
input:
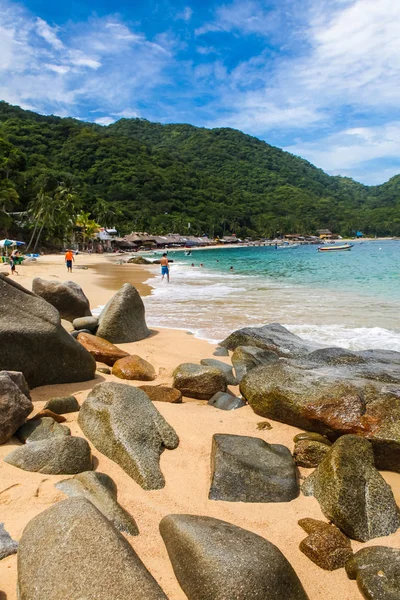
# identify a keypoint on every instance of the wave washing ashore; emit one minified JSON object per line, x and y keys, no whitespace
{"x":349,"y":299}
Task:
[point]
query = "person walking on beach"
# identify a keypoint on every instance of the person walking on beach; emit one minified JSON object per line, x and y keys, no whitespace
{"x":13,"y":262}
{"x":69,"y":258}
{"x":164,"y":267}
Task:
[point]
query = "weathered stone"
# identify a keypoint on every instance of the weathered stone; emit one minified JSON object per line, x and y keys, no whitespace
{"x":124,"y":424}
{"x":33,"y":341}
{"x":60,"y":455}
{"x":325,"y":545}
{"x":101,"y":350}
{"x":272,"y":337}
{"x":7,"y":544}
{"x":264,"y":425}
{"x":101,"y":490}
{"x":377,"y":571}
{"x":66,"y":296}
{"x":15,"y":406}
{"x":247,"y":469}
{"x":123,"y":318}
{"x":139,"y":260}
{"x":309,"y":453}
{"x":351,"y":492}
{"x":18,"y":378}
{"x":104,"y":370}
{"x":246,"y":358}
{"x":161,"y":393}
{"x":63,"y":405}
{"x":45,"y":412}
{"x":225,"y":401}
{"x":134,"y":367}
{"x":196,"y":381}
{"x":87,"y":323}
{"x":72,"y":552}
{"x":312,"y":435}
{"x":214,"y":560}
{"x":223,"y":367}
{"x":220,"y":351}
{"x":40,"y":429}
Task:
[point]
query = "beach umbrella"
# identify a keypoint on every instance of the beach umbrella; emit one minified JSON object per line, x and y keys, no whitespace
{"x":6,"y":243}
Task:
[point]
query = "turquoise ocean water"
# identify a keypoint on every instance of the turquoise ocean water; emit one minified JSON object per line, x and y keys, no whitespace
{"x":350,"y":299}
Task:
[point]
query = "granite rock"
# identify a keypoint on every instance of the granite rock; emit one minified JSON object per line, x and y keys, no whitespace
{"x":72,"y":552}
{"x":63,"y":405}
{"x":7,"y":544}
{"x":197,"y":381}
{"x":223,"y":367}
{"x":352,"y":493}
{"x":325,"y":545}
{"x":41,"y":429}
{"x":246,"y":358}
{"x":87,"y":323}
{"x":66,"y":296}
{"x":309,"y":453}
{"x":134,"y":368}
{"x":122,"y":320}
{"x":33,"y":341}
{"x":226,"y":401}
{"x":101,"y":350}
{"x":220,"y":351}
{"x":214,"y":560}
{"x":15,"y":406}
{"x":247,"y":469}
{"x":123,"y":423}
{"x":377,"y":571}
{"x":101,"y":490}
{"x":161,"y":393}
{"x":312,"y":435}
{"x":61,"y":455}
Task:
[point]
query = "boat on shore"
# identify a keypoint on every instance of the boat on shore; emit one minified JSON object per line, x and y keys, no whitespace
{"x":335,"y":248}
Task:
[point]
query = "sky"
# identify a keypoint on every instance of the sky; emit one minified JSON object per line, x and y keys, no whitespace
{"x":318,"y":78}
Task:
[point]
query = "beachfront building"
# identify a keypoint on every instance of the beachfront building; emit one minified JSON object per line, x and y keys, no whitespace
{"x":325,"y":234}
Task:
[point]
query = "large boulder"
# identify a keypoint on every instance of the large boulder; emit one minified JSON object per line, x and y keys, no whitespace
{"x":247,"y":469}
{"x":246,"y":358}
{"x":73,"y":552}
{"x":197,"y":381}
{"x":214,"y":560}
{"x":124,"y":424}
{"x":377,"y":571}
{"x":272,"y":337}
{"x":66,"y":296}
{"x":101,"y":490}
{"x":226,"y":369}
{"x":15,"y":405}
{"x":33,"y":341}
{"x":352,"y":493}
{"x":134,"y":368}
{"x":325,"y":544}
{"x":101,"y":350}
{"x":40,"y":429}
{"x":331,"y":400}
{"x":58,"y":455}
{"x":123,"y":318}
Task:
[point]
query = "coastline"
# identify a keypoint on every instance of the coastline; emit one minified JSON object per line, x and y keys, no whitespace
{"x":24,"y":494}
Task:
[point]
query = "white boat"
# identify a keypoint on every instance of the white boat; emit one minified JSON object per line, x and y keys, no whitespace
{"x":287,"y":246}
{"x":336,"y":248}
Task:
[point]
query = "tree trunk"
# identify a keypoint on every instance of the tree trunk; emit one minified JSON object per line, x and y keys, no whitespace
{"x":38,"y":238}
{"x":32,"y":236}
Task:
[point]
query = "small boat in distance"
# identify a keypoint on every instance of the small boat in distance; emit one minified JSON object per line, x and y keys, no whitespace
{"x":332,"y":248}
{"x":286,"y":246}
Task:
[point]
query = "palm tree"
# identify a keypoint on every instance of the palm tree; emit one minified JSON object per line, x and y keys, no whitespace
{"x":105,"y":214}
{"x":44,"y":212}
{"x":8,"y":198}
{"x":88,"y":226}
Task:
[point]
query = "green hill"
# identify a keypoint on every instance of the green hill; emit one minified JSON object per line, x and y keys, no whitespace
{"x":160,"y":177}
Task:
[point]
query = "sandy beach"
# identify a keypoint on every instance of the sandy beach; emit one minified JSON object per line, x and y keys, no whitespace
{"x":187,"y":469}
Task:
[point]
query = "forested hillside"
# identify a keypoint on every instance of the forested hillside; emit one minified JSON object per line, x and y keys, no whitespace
{"x":146,"y":176}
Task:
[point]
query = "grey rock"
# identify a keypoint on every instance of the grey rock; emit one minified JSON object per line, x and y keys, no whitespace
{"x":63,"y":405}
{"x":223,"y":367}
{"x":33,"y":341}
{"x":220,"y":351}
{"x":377,"y":571}
{"x":18,"y":378}
{"x":41,"y":429}
{"x":14,"y":405}
{"x":87,"y":323}
{"x":101,"y":490}
{"x":72,"y":552}
{"x":123,"y":318}
{"x":309,"y":453}
{"x":245,"y":358}
{"x":66,"y":296}
{"x":60,"y":455}
{"x":214,"y":560}
{"x":351,"y":492}
{"x":272,"y":337}
{"x":225,"y":401}
{"x":124,"y":424}
{"x":197,"y":381}
{"x":7,"y":544}
{"x":247,"y":469}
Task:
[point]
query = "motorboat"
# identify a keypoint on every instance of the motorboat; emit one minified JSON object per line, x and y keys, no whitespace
{"x":286,"y":246}
{"x":335,"y":248}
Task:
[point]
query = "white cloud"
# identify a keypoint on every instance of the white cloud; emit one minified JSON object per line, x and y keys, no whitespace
{"x":48,"y":33}
{"x":245,"y":16}
{"x":185,"y":15}
{"x":105,"y":120}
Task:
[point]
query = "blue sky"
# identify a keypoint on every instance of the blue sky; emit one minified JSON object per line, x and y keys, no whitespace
{"x":319,"y":78}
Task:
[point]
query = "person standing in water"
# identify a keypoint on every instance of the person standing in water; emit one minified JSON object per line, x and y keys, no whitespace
{"x":69,"y":258}
{"x":164,"y":267}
